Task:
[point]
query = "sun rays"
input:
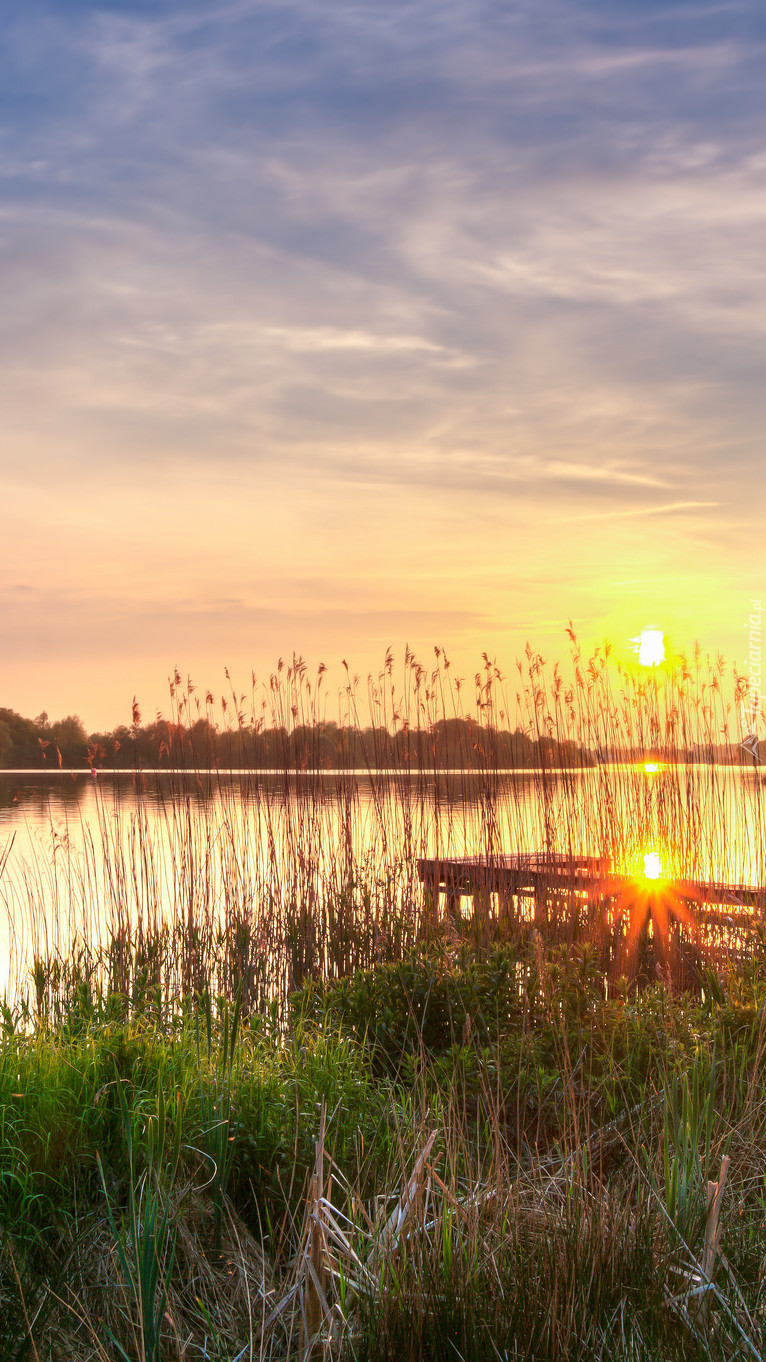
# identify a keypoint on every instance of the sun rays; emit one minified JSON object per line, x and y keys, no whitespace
{"x":649,"y":908}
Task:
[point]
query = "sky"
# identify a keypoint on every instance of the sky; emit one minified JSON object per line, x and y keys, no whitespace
{"x":331,"y":326}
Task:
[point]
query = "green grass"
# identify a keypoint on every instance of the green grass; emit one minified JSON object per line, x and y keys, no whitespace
{"x":153,"y":1185}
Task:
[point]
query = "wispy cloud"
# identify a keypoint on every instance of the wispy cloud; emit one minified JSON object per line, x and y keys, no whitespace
{"x":410,"y":268}
{"x":668,"y":508}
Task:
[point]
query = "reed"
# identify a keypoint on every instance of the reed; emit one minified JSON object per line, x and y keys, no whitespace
{"x":151,"y":886}
{"x":260,"y":1096}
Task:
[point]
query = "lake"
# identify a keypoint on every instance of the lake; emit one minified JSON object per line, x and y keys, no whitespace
{"x":315,"y":871}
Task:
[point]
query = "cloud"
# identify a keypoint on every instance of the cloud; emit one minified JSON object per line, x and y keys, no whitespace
{"x":669,"y":508}
{"x":430,"y":274}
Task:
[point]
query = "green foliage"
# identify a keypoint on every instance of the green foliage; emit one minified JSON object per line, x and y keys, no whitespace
{"x":422,"y":1003}
{"x":215,"y":1094}
{"x":687,"y":1144}
{"x":516,"y":1060}
{"x":146,"y":1241}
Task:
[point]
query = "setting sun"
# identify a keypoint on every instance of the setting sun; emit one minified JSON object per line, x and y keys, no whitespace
{"x":651,"y":647}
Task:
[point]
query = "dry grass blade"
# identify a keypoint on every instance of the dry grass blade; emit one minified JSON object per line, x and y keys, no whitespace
{"x":312,"y":1273}
{"x":713,"y":1224}
{"x":14,"y":1269}
{"x":389,"y":1235}
{"x":328,"y":1257}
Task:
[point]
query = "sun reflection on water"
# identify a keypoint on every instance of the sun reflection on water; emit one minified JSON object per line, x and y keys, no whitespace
{"x":652,"y":865}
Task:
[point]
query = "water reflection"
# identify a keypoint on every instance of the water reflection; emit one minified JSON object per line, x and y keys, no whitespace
{"x":299,"y":857}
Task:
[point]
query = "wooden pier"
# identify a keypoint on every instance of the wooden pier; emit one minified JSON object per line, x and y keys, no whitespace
{"x":547,"y":878}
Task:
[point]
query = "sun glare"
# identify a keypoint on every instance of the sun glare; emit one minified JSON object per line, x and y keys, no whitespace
{"x":652,"y":865}
{"x":650,"y":766}
{"x":650,"y":647}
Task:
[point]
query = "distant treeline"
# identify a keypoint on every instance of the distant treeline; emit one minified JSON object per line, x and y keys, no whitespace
{"x":39,"y":743}
{"x":449,"y":744}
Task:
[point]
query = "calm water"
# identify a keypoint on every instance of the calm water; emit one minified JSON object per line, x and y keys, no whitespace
{"x":84,"y":851}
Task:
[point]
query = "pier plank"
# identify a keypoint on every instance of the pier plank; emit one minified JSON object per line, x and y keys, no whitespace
{"x":537,"y":874}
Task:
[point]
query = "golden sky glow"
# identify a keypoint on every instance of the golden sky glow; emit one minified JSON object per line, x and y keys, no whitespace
{"x":329,"y":328}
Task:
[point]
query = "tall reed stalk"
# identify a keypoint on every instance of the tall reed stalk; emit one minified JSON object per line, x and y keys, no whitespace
{"x":153,"y":886}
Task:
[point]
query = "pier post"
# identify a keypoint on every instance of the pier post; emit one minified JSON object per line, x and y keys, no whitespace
{"x":432,"y":888}
{"x":454,"y":912}
{"x":541,"y":903}
{"x":481,"y":912}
